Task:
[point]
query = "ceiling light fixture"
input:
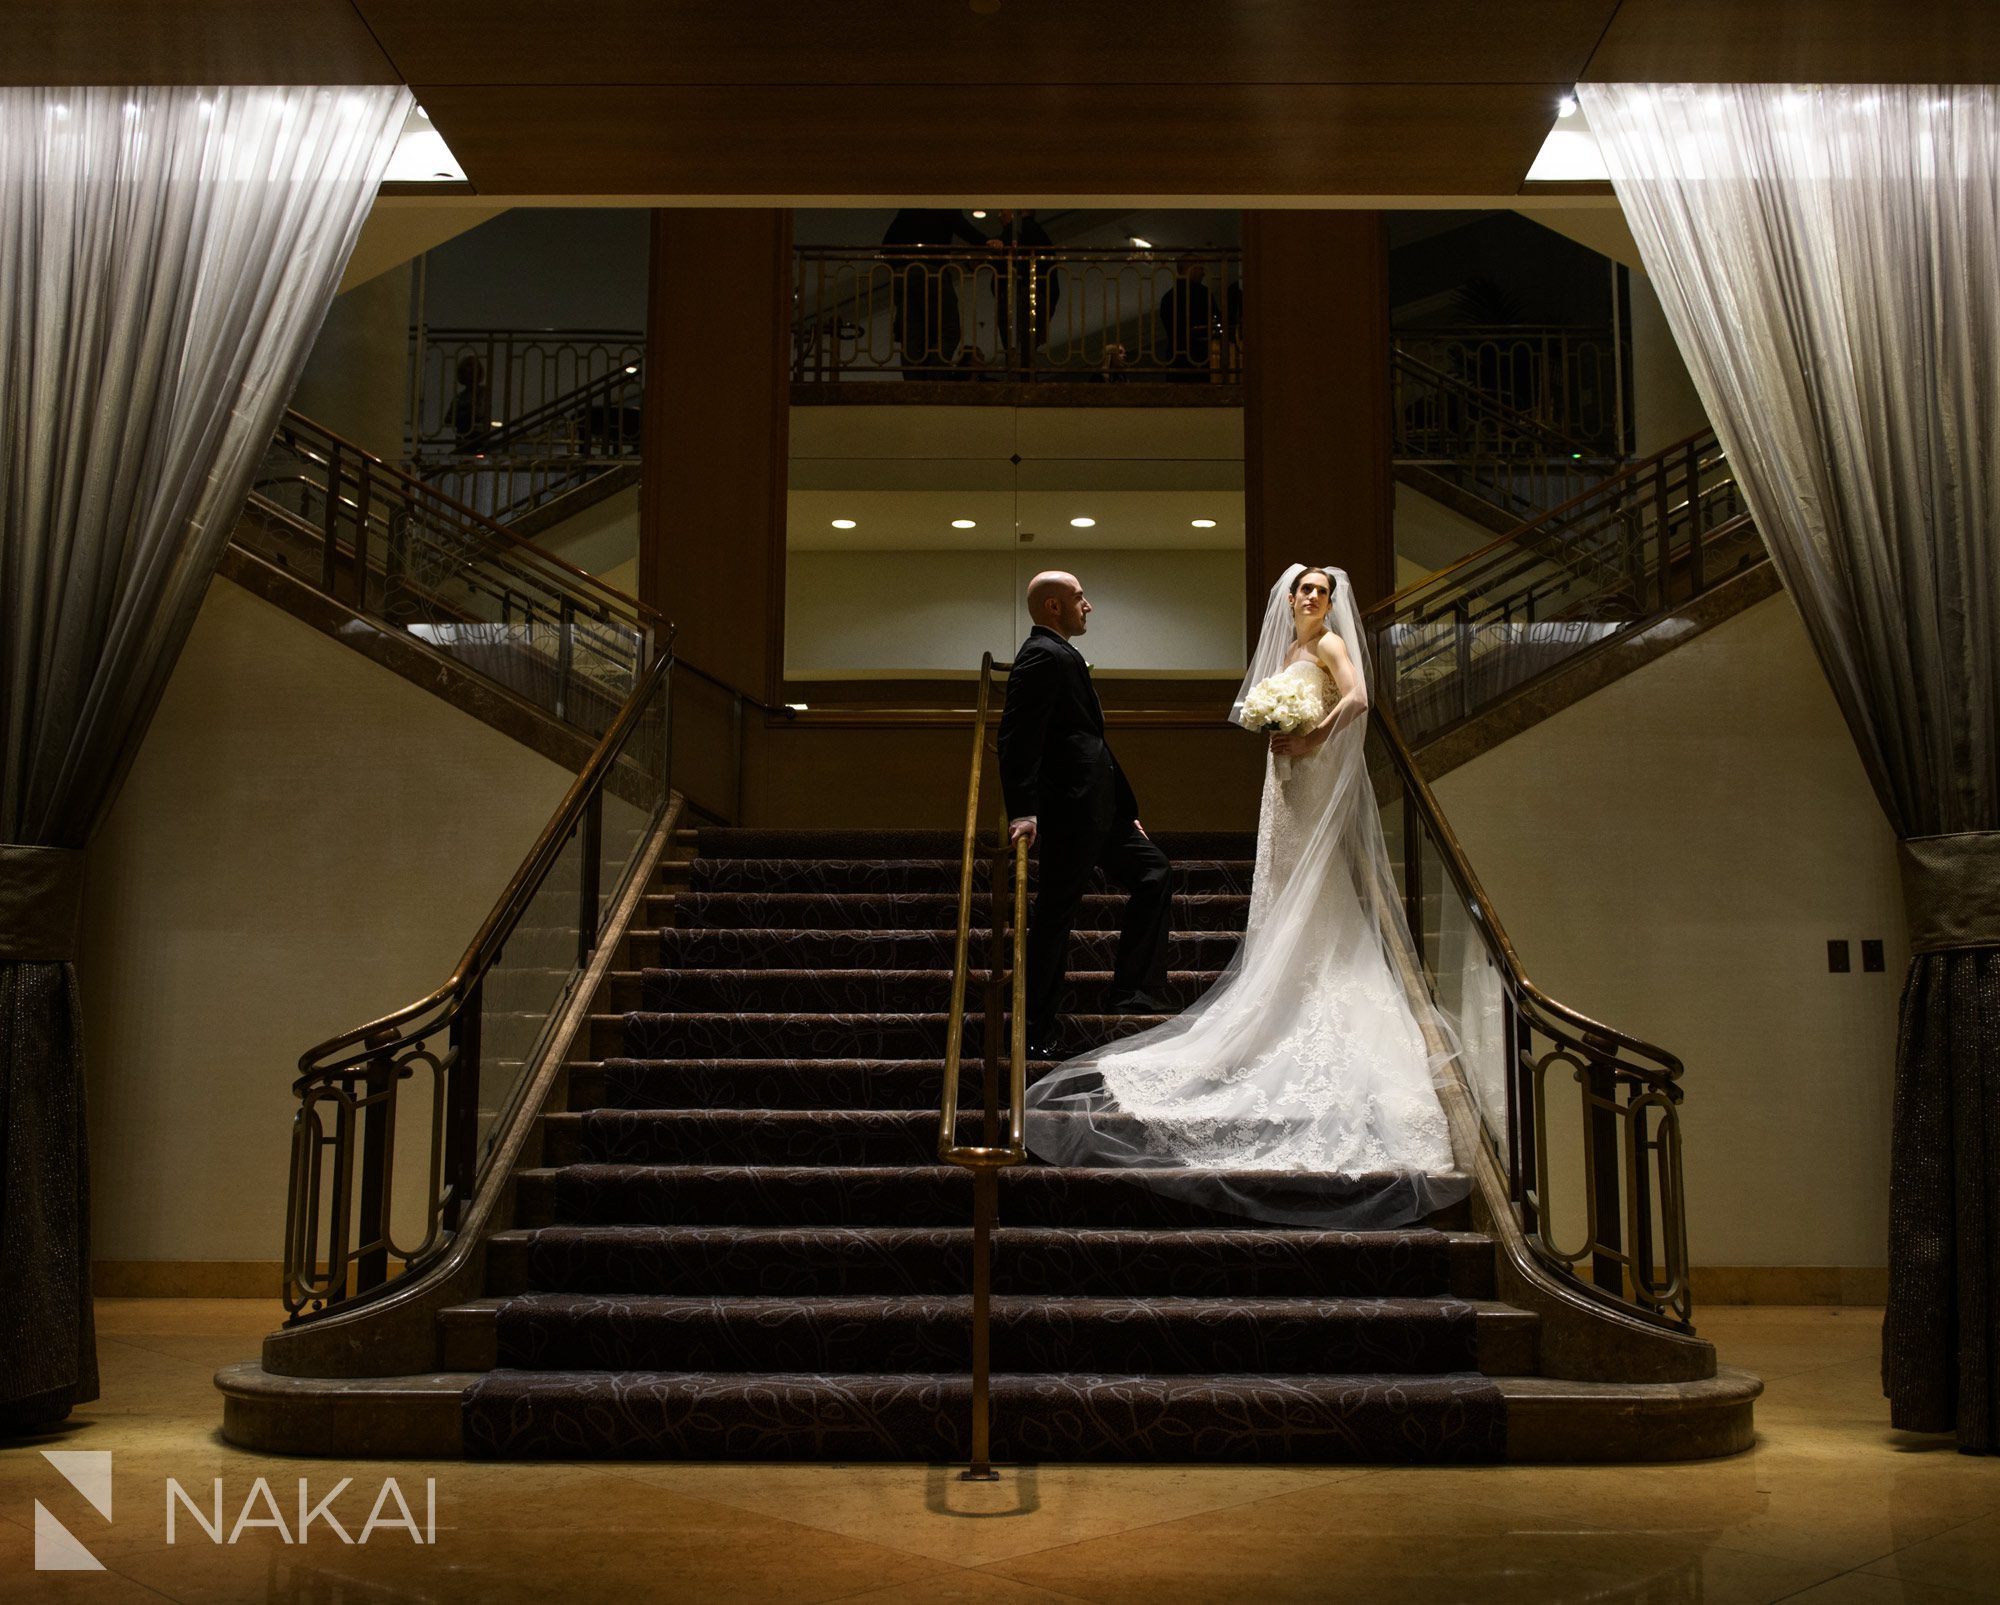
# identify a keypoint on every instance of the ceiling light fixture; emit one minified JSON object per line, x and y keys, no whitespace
{"x":843,"y":523}
{"x":1144,"y":245}
{"x":632,"y":367}
{"x":1082,"y":523}
{"x":963,"y":523}
{"x":978,"y":214}
{"x":1566,"y":107}
{"x":1204,"y":523}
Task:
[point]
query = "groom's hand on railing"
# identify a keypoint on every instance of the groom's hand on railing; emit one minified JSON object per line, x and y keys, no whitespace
{"x":1022,"y":829}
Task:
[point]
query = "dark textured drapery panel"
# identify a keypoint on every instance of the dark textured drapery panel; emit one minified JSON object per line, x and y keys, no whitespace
{"x":1827,"y":257}
{"x":166,"y":255}
{"x":47,"y":1337}
{"x":1941,"y":1338}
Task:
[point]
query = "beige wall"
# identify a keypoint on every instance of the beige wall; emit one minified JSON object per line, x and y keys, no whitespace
{"x":602,"y":539}
{"x":305,"y":842}
{"x":356,"y":377}
{"x":1665,"y":406}
{"x":1671,"y":855}
{"x":1430,"y":536}
{"x":1155,"y":612}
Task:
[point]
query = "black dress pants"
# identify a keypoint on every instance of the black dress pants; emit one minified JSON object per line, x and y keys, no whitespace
{"x":1137,"y":868}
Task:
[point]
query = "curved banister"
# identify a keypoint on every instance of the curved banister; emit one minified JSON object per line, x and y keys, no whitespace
{"x":493,"y":930}
{"x":1523,"y":423}
{"x":340,"y":1234}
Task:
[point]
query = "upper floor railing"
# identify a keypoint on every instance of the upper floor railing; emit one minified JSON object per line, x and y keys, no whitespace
{"x":1568,"y":582}
{"x":1570,"y":380}
{"x":1041,"y":313}
{"x":418,"y":563}
{"x":467,"y":382}
{"x":1485,"y":448}
{"x":520,"y":466}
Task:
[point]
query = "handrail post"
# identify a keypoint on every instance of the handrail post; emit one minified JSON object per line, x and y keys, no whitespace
{"x":329,"y":572}
{"x":1607,"y":1267}
{"x":462,"y":1128}
{"x":372,"y":1263}
{"x":985,"y":1207}
{"x":361,"y":489}
{"x":736,"y":753}
{"x":590,"y":840}
{"x":565,"y":653}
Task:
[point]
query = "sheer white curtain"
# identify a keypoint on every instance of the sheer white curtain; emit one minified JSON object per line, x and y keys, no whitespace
{"x":166,"y":256}
{"x":1829,"y":261}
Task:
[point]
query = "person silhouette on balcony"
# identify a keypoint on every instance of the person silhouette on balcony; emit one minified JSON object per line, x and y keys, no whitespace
{"x":471,"y":406}
{"x":926,"y":317}
{"x":1027,"y":288}
{"x":1187,"y":322}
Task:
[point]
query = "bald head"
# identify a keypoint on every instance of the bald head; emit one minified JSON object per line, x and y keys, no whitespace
{"x":1056,"y":602}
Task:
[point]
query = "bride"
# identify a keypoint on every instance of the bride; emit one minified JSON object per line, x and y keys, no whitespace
{"x":1300,"y":1087}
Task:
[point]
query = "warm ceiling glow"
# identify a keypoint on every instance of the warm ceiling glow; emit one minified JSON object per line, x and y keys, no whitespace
{"x":1082,"y":523}
{"x":843,"y":523}
{"x":421,"y":155}
{"x":963,"y":523}
{"x":1203,"y":523}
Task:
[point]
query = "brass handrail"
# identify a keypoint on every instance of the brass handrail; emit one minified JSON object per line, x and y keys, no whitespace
{"x":1603,"y":1060}
{"x":986,"y":1160}
{"x":357,"y":1072}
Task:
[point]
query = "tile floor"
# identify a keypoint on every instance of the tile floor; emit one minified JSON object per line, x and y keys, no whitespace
{"x":1831,"y":1506}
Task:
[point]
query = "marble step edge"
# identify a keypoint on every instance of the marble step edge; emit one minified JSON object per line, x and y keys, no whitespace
{"x":1469,"y":1265}
{"x":1548,"y":1420}
{"x":1505,"y":1334}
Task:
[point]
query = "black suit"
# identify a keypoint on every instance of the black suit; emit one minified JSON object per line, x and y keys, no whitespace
{"x":1055,"y":765}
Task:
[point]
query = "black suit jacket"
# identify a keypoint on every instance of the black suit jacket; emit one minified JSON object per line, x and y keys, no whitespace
{"x":1053,"y":759}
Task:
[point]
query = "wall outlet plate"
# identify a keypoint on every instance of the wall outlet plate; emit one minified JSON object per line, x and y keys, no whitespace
{"x":1836,"y":957}
{"x":1871,"y":954}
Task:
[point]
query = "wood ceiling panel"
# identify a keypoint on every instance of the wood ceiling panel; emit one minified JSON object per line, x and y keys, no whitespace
{"x":1024,"y":41}
{"x":1801,"y":41}
{"x":990,"y":142}
{"x":190,"y":42}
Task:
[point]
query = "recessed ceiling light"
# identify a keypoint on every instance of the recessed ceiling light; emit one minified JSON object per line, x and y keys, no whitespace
{"x":423,"y":114}
{"x":1082,"y":523}
{"x":1204,"y":523}
{"x":843,"y":523}
{"x":1566,"y":107}
{"x":1144,"y":245}
{"x":978,"y":214}
{"x":632,"y":368}
{"x":963,"y":523}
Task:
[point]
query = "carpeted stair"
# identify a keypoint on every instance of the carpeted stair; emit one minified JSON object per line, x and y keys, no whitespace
{"x":739,"y":1243}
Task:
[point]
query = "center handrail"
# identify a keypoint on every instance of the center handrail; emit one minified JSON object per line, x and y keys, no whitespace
{"x":986,"y":1160}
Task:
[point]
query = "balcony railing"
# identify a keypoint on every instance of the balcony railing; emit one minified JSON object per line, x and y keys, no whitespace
{"x":465,"y":383}
{"x":1570,"y":380}
{"x":1612,"y":561}
{"x":1025,"y":313}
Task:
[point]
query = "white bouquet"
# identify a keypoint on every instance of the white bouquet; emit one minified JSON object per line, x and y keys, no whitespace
{"x":1285,"y":705}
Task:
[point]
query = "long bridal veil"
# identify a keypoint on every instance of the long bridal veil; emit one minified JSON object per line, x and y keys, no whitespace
{"x":1301,"y":1088}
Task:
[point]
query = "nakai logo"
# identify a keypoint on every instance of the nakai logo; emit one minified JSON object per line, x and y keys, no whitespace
{"x":57,"y":1549}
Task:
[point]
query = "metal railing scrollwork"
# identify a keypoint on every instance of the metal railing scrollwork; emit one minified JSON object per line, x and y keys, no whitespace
{"x":1611,"y":1218}
{"x":1005,"y":1145}
{"x":466,"y":1047}
{"x":1024,"y":313}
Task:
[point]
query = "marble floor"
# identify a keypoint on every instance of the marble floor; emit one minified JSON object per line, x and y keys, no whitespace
{"x":1831,"y":1506}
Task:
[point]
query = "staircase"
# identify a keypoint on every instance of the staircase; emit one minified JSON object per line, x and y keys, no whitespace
{"x":736,"y":1240}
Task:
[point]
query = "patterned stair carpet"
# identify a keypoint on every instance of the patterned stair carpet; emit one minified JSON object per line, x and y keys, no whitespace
{"x":740,"y":1244}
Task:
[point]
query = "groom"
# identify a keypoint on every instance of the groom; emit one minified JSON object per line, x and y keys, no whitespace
{"x":1067,"y":796}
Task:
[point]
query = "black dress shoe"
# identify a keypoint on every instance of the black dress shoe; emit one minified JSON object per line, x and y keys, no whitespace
{"x":1135,"y":1003}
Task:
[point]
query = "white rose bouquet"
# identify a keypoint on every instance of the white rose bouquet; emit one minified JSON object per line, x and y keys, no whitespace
{"x":1283,"y":705}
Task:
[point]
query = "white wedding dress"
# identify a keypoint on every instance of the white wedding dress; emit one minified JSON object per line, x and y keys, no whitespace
{"x":1301,"y":1087}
